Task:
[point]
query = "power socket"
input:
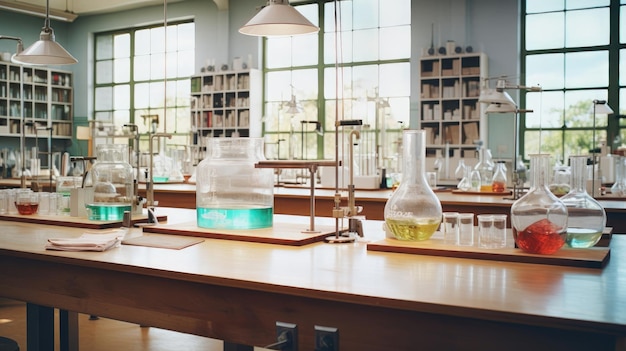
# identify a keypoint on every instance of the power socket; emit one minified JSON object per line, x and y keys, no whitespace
{"x":326,"y":338}
{"x":286,"y":336}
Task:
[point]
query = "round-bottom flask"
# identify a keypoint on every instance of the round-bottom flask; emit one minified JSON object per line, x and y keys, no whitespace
{"x":586,"y":217}
{"x":539,"y":219}
{"x":230,"y":192}
{"x":413,"y":212}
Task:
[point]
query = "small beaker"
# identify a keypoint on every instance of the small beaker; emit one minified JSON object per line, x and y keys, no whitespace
{"x":492,"y":231}
{"x":466,"y":229}
{"x":451,"y":228}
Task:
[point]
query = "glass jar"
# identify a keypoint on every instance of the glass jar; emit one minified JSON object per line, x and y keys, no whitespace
{"x":459,"y":172}
{"x":498,"y":182}
{"x":586,"y":217}
{"x":619,"y":185}
{"x":112,"y":181}
{"x":466,"y":183}
{"x":230,"y":192}
{"x":413,"y":212}
{"x":485,"y":169}
{"x":539,"y":219}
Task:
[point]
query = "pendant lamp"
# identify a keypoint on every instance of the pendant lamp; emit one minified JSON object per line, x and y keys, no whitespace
{"x":278,"y":18}
{"x":45,"y":51}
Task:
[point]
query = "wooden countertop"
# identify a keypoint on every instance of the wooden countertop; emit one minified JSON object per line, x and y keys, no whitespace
{"x":236,"y":290}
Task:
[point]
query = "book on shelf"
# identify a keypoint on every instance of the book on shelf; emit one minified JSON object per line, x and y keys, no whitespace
{"x":470,"y":132}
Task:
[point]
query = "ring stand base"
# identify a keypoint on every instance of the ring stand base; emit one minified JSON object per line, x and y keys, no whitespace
{"x":341,"y":239}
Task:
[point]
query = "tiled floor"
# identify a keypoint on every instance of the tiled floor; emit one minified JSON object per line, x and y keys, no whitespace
{"x":105,"y":334}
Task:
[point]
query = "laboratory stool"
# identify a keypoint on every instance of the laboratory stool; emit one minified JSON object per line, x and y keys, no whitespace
{"x":7,"y":344}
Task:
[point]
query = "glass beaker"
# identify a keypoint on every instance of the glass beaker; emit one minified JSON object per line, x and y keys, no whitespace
{"x":413,"y":212}
{"x":619,"y":186}
{"x":230,"y":192}
{"x":586,"y":217}
{"x":112,"y":179}
{"x":539,"y":219}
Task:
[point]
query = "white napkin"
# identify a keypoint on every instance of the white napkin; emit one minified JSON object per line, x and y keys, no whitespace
{"x":88,"y":241}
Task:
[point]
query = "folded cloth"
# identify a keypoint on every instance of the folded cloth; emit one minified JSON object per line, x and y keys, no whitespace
{"x":87,"y":242}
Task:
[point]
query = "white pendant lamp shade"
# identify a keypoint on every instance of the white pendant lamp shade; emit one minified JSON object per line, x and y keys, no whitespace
{"x":500,"y":108}
{"x":45,"y":51}
{"x":278,"y":18}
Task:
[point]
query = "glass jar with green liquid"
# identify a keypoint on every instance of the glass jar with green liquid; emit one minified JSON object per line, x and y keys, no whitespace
{"x":413,"y":212}
{"x":230,"y":192}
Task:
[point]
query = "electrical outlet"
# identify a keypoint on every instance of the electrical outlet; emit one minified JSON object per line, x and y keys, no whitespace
{"x":286,"y":336}
{"x":326,"y":338}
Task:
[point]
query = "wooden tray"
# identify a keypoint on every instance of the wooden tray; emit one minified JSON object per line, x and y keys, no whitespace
{"x":74,"y":222}
{"x":461,"y":192}
{"x":279,"y":233}
{"x":595,"y":257}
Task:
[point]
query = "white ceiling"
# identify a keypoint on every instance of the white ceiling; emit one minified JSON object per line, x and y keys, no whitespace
{"x":88,"y":7}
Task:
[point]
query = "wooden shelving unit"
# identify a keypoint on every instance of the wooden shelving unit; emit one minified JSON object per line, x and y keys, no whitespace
{"x":47,"y":101}
{"x":227,"y":103}
{"x":449,"y":108}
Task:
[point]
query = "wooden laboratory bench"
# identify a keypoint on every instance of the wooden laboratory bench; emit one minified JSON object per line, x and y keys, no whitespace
{"x":295,"y":201}
{"x":236,"y":291}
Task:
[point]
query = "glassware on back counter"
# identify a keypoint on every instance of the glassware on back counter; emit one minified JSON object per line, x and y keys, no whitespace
{"x":413,"y":212}
{"x":498,"y":182}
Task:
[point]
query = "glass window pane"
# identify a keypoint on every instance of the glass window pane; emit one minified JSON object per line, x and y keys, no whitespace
{"x":278,"y":86}
{"x":122,"y":46}
{"x":121,"y":69}
{"x":582,"y":4}
{"x":345,"y":52}
{"x":140,"y":71}
{"x":365,"y":14}
{"x":538,"y":25}
{"x":389,"y":42}
{"x":365,"y":81}
{"x":578,"y":142}
{"x":547,"y":109}
{"x":142,"y":95}
{"x":344,"y":9}
{"x":104,"y":45}
{"x":395,"y":12}
{"x":157,"y":64}
{"x":622,"y":65}
{"x":587,"y":69}
{"x":104,"y":98}
{"x":579,"y":108}
{"x":544,"y":141}
{"x":172,"y":64}
{"x":308,"y":90}
{"x":121,"y":117}
{"x":156,"y":94}
{"x":343,"y":80}
{"x":186,"y":36}
{"x":622,"y":108}
{"x":104,"y":72}
{"x":587,"y":27}
{"x":305,"y":50}
{"x":533,"y":6}
{"x":365,"y":45}
{"x":275,"y":52}
{"x":172,"y":38}
{"x":186,"y":63}
{"x":121,"y":97}
{"x":395,"y":79}
{"x":622,"y":28}
{"x":157,"y":42}
{"x":142,"y":42}
{"x":546,"y":70}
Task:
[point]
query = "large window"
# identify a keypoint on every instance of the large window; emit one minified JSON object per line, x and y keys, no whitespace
{"x":137,"y":77}
{"x":574,"y":49}
{"x":357,"y":65}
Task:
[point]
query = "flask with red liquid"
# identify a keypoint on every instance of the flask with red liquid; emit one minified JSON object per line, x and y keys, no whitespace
{"x":498,"y":182}
{"x":539,"y":219}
